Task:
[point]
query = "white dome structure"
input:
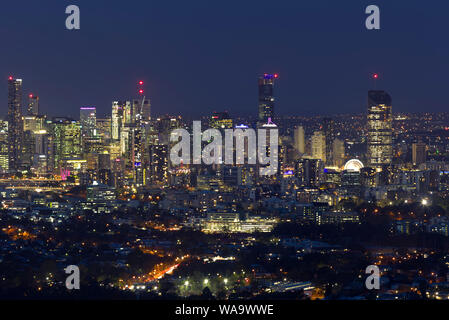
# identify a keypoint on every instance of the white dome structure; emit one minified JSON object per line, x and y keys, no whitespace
{"x":354,"y":165}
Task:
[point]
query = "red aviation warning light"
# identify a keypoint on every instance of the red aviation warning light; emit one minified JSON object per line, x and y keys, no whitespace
{"x":140,"y":87}
{"x":10,"y":78}
{"x":276,"y":75}
{"x":375,"y":79}
{"x":31,"y":95}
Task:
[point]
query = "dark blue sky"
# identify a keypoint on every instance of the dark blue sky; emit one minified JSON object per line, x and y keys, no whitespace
{"x":202,"y":55}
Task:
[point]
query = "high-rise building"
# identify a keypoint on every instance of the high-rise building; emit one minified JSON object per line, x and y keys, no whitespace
{"x":418,"y":153}
{"x":141,"y":109}
{"x":328,"y":129}
{"x":33,"y":123}
{"x":319,"y":146}
{"x":338,"y":152}
{"x":33,"y":105}
{"x":43,"y":152}
{"x":88,"y":121}
{"x":266,"y":98}
{"x":104,"y":129}
{"x":309,"y":172}
{"x":4,"y":157}
{"x":118,"y":119}
{"x":380,"y":129}
{"x":158,"y":169}
{"x":66,"y":136}
{"x":299,"y":140}
{"x":15,"y":123}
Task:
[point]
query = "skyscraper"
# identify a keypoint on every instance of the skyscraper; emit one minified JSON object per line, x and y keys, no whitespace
{"x":4,"y":157}
{"x":66,"y":135}
{"x":266,"y":97}
{"x":88,"y":121}
{"x":338,"y":152}
{"x":118,"y":119}
{"x":309,"y":171}
{"x":319,"y":146}
{"x":380,"y":129}
{"x":15,"y":124}
{"x":329,"y":133}
{"x":33,"y":105}
{"x":299,"y":140}
{"x":142,"y":109}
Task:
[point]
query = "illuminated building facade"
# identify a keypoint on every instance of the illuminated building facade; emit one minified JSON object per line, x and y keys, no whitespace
{"x":299,"y":140}
{"x":380,"y":129}
{"x":328,"y":129}
{"x":266,"y":97}
{"x":15,"y":123}
{"x":418,"y":153}
{"x":309,"y":172}
{"x":4,"y":157}
{"x":158,"y":170}
{"x":220,"y":120}
{"x":141,"y":109}
{"x":33,"y":105}
{"x":319,"y":146}
{"x":338,"y":152}
{"x":88,"y":121}
{"x":118,"y":117}
{"x":66,"y":135}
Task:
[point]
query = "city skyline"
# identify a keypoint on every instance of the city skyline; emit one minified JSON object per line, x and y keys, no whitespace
{"x":168,"y":63}
{"x":242,"y":152}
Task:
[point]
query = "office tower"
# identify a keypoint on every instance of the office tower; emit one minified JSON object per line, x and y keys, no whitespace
{"x":141,"y":109}
{"x":137,"y":155}
{"x":158,"y":164}
{"x":338,"y":152}
{"x":319,"y":146}
{"x":380,"y":129}
{"x":104,"y":129}
{"x":27,"y":149}
{"x":117,"y":119}
{"x":15,"y":124}
{"x":33,"y":105}
{"x":164,"y":126}
{"x":104,"y":169}
{"x":310,"y":172}
{"x":4,"y":157}
{"x":66,"y":135}
{"x":128,"y":113}
{"x":328,"y":129}
{"x":266,"y":98}
{"x":43,"y":152}
{"x":299,"y":140}
{"x":418,"y":153}
{"x":33,"y":123}
{"x":352,"y":181}
{"x":221,"y":120}
{"x":88,"y":121}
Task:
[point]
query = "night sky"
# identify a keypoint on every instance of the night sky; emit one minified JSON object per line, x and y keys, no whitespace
{"x":198,"y":56}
